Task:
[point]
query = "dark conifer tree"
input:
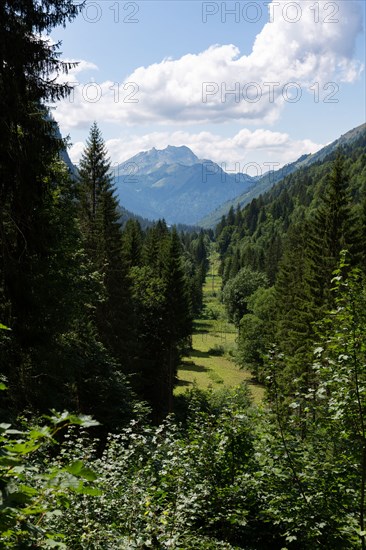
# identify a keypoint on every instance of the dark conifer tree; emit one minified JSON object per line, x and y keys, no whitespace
{"x":296,"y":310}
{"x":272,"y":256}
{"x":226,"y":269}
{"x":220,"y":226}
{"x":101,"y":229}
{"x":201,"y":251}
{"x":163,"y":312}
{"x":132,"y":240}
{"x":29,"y":185}
{"x":252,"y":216}
{"x":334,"y":229}
{"x":177,"y":318}
{"x":155,"y":244}
{"x":235,"y":264}
{"x":303,"y":284}
{"x":98,"y":205}
{"x":230,"y":219}
{"x":238,"y":216}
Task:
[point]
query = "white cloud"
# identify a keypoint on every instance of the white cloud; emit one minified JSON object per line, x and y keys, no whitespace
{"x":196,"y":87}
{"x":233,"y":153}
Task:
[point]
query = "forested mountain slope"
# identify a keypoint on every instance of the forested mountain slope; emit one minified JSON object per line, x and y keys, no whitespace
{"x":255,"y":235}
{"x":265,"y":183}
{"x":279,"y":255}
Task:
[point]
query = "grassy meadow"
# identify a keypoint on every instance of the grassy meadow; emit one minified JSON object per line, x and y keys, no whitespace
{"x":211,"y":361}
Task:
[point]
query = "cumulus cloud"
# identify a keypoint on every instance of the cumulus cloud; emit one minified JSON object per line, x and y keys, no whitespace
{"x":219,"y":84}
{"x":232,"y":153}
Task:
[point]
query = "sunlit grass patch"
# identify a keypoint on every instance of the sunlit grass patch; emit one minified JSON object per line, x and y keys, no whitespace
{"x":214,"y":342}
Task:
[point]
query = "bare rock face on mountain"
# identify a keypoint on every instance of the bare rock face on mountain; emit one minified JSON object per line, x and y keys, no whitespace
{"x":174,"y":184}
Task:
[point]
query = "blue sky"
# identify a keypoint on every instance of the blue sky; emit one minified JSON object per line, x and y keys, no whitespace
{"x":237,"y":82}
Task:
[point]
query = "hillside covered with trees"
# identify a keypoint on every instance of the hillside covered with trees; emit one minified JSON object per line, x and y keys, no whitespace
{"x":95,"y":316}
{"x":288,"y":243}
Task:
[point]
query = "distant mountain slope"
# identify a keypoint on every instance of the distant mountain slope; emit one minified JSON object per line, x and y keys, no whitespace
{"x":271,"y":178}
{"x":174,"y":184}
{"x":255,"y":236}
{"x":126,"y":215}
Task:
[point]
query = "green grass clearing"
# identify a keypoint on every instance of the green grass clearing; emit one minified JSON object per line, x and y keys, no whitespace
{"x":210,"y":363}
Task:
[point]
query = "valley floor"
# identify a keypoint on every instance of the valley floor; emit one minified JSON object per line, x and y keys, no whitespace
{"x":211,"y":361}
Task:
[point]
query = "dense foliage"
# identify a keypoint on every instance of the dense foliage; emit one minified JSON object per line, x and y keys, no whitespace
{"x":229,"y":475}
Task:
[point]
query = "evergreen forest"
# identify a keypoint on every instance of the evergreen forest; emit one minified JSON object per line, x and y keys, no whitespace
{"x":97,"y":311}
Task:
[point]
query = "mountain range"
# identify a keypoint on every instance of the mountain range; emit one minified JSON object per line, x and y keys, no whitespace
{"x":174,"y":184}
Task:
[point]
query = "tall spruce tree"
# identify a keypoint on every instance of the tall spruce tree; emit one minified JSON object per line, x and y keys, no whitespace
{"x":31,"y":246}
{"x":296,"y":312}
{"x":163,"y":312}
{"x":304,"y":280}
{"x":177,"y":318}
{"x":132,"y":240}
{"x":101,"y":230}
{"x":155,"y":240}
{"x":333,"y":229}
